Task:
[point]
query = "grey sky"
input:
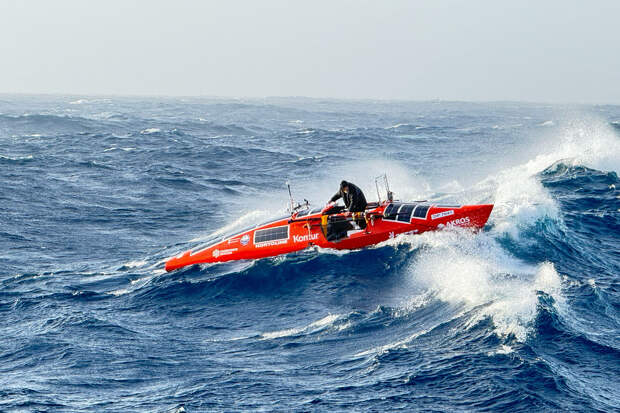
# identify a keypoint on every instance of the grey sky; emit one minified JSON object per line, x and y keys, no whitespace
{"x":553,"y":51}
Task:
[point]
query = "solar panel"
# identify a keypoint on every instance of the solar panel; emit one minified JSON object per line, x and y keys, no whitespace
{"x":404,"y":213}
{"x":398,"y":212}
{"x":270,"y":234}
{"x":420,"y":211}
{"x":391,"y":211}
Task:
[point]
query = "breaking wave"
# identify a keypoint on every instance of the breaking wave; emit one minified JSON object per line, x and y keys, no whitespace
{"x":100,"y":192}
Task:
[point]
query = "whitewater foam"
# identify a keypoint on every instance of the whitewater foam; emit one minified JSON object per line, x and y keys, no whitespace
{"x":114,"y":148}
{"x":252,"y":217}
{"x":520,"y":198}
{"x":313,"y":327}
{"x":474,"y":270}
{"x":398,"y":125}
{"x":135,"y":264}
{"x":379,"y":350}
{"x":16,"y":158}
{"x":461,"y":267}
{"x":583,"y":140}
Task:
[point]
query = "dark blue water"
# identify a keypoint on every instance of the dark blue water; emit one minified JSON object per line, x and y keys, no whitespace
{"x":95,"y":194}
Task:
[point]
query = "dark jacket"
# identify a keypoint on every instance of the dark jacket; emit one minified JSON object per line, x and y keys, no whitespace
{"x":355,"y":201}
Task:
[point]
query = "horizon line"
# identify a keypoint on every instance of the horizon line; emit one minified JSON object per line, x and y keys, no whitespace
{"x":331,"y":98}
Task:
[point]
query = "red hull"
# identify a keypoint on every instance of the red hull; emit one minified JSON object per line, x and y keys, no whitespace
{"x":305,"y":229}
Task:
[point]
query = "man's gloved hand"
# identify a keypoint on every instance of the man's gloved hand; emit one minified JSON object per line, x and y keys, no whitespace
{"x":327,"y":207}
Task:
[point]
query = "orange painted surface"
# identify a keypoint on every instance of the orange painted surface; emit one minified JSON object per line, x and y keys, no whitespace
{"x":305,"y":231}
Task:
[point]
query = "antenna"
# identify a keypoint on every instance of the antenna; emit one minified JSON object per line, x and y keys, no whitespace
{"x":290,"y":197}
{"x":295,"y":206}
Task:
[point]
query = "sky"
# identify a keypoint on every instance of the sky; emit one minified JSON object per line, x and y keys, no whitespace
{"x":542,"y":51}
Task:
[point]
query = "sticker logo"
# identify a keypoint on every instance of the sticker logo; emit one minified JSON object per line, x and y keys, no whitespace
{"x":245,"y":239}
{"x":271,"y":243}
{"x":442,"y":214}
{"x":303,"y":238}
{"x":459,"y":221}
{"x":217,"y":253}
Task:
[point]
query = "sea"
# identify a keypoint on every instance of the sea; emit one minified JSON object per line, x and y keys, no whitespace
{"x":96,"y":192}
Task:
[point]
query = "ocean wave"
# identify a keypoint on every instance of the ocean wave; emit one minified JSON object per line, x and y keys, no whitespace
{"x":312,"y":328}
{"x":16,"y":160}
{"x":514,"y":317}
{"x":40,"y":122}
{"x":475,"y":270}
{"x":114,"y":148}
{"x":150,"y":131}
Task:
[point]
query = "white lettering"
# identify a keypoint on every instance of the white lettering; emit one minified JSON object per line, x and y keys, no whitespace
{"x":216,"y":253}
{"x":271,"y":243}
{"x":305,"y":238}
{"x":458,"y":222}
